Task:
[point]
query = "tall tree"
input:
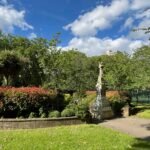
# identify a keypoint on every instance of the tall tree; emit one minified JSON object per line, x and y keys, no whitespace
{"x":141,"y":64}
{"x":10,"y":65}
{"x":73,"y":70}
{"x":116,"y":70}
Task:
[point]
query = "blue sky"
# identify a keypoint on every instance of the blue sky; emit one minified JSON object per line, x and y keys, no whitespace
{"x":92,"y":26}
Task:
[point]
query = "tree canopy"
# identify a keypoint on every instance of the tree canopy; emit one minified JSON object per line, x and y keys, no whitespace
{"x":39,"y":62}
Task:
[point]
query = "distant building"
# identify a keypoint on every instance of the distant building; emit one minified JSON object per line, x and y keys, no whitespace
{"x":110,"y":52}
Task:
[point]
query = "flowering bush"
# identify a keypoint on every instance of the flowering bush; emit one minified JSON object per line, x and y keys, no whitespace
{"x":20,"y":102}
{"x":29,"y":90}
{"x":118,"y":99}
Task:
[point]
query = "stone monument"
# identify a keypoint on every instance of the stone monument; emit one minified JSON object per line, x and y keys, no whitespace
{"x":101,"y":109}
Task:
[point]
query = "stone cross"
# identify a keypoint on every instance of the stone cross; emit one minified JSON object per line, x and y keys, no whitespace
{"x":100,"y":108}
{"x":99,"y":81}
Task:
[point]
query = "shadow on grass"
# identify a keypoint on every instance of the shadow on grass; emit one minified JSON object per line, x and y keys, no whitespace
{"x":139,"y":108}
{"x":147,"y":126}
{"x":141,"y":144}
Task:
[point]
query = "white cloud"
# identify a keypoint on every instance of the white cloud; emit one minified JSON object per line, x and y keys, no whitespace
{"x":144,"y":22}
{"x":143,"y":14}
{"x":32,"y":35}
{"x":136,"y":44}
{"x":140,"y":4}
{"x":11,"y":18}
{"x":128,"y":23}
{"x":95,"y":46}
{"x":86,"y":26}
{"x":98,"y":19}
{"x":139,"y":34}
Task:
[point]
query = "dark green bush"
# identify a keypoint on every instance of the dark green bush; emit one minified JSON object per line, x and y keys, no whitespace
{"x":83,"y":111}
{"x":67,"y":98}
{"x":43,"y":115}
{"x":68,"y":112}
{"x":59,"y":103}
{"x":83,"y":107}
{"x":72,"y":106}
{"x":33,"y":115}
{"x":54,"y":114}
{"x":117,"y":107}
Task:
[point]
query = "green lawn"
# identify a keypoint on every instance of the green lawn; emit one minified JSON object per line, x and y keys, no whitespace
{"x":80,"y":137}
{"x":144,"y":114}
{"x":144,"y":111}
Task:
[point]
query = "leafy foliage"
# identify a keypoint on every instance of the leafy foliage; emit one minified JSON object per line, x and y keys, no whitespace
{"x":10,"y":65}
{"x":141,"y":71}
{"x":68,"y":112}
{"x":118,"y":99}
{"x":44,"y":64}
{"x":54,"y":114}
{"x":28,"y":102}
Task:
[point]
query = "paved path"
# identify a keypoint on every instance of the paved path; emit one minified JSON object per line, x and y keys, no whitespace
{"x":139,"y":128}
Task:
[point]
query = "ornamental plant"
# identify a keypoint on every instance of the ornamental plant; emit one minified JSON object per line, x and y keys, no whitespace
{"x":24,"y":101}
{"x":118,"y":99}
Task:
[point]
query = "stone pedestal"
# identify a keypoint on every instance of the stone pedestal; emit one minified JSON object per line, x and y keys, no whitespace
{"x":107,"y":112}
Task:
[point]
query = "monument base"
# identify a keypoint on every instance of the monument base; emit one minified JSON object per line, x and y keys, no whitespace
{"x":107,"y":112}
{"x":103,"y":112}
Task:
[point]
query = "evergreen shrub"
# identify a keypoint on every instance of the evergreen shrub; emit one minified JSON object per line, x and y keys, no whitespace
{"x":68,"y":112}
{"x":54,"y":114}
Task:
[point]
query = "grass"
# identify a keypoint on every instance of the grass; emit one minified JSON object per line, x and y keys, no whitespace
{"x":80,"y":137}
{"x":144,"y":114}
{"x":143,"y":111}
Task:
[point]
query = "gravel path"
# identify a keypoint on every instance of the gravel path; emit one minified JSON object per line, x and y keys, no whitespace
{"x":139,"y":128}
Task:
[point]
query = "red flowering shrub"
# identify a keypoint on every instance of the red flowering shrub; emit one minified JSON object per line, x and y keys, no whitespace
{"x":20,"y":102}
{"x":29,"y":90}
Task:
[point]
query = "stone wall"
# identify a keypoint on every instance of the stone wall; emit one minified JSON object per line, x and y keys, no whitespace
{"x":37,"y":122}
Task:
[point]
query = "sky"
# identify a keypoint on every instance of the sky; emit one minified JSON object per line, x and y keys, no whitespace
{"x":91,"y":26}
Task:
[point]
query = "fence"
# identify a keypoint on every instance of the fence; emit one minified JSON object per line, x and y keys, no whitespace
{"x":140,"y":96}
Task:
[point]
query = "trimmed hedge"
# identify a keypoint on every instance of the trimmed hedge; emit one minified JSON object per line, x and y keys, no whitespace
{"x":28,"y":102}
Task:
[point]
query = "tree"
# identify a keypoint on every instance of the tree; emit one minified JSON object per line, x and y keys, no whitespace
{"x":141,"y":65}
{"x":41,"y":55}
{"x":10,"y":65}
{"x":92,"y":72}
{"x":73,"y":70}
{"x":117,"y":70}
{"x":36,"y":51}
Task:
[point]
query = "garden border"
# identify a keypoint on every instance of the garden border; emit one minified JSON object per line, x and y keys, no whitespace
{"x":38,"y":122}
